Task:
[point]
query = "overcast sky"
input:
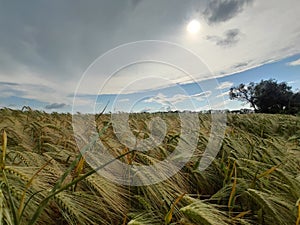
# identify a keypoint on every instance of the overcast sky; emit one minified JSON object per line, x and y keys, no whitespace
{"x":47,"y":46}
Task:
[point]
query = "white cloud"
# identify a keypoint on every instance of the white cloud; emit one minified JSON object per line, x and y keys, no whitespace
{"x":164,"y":100}
{"x":217,"y":105}
{"x":294,"y":63}
{"x":123,"y":100}
{"x":146,"y":109}
{"x":226,"y":93}
{"x":45,"y":92}
{"x":221,"y":104}
{"x":225,"y":85}
{"x":167,"y":108}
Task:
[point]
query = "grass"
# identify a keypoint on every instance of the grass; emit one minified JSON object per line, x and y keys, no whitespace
{"x":255,"y":178}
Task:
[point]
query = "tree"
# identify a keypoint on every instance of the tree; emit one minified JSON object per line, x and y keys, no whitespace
{"x":244,"y":93}
{"x":268,"y":96}
{"x":272,"y":97}
{"x":294,"y":106}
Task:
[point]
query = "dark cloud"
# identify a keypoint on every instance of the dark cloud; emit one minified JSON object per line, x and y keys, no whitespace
{"x":54,"y":39}
{"x":8,"y":89}
{"x":231,"y":37}
{"x":240,"y":65}
{"x":223,"y":10}
{"x":135,"y":2}
{"x":8,"y":83}
{"x":55,"y":106}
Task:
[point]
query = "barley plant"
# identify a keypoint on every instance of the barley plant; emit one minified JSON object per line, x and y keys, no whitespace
{"x":255,"y":178}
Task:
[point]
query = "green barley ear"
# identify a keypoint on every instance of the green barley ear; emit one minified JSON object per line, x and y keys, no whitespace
{"x":233,"y":190}
{"x":1,"y":205}
{"x":4,"y":144}
{"x":298,"y":216}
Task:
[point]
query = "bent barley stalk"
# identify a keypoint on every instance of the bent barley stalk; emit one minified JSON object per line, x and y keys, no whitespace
{"x":75,"y":181}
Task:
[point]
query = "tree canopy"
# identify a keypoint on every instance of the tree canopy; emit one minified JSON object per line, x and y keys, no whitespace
{"x":268,"y":96}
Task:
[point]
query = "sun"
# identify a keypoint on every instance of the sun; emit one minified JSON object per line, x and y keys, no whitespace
{"x":193,"y":26}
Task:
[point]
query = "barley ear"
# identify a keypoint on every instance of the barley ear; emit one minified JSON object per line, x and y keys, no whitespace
{"x":298,"y":218}
{"x":4,"y":144}
{"x":1,"y":206}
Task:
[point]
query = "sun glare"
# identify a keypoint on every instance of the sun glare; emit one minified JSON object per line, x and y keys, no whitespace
{"x":193,"y":26}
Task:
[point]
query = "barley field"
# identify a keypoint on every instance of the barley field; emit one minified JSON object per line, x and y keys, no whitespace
{"x":255,"y":178}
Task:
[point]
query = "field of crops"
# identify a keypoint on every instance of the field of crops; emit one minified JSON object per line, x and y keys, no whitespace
{"x":255,"y":178}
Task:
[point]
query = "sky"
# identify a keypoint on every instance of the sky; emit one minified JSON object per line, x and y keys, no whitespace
{"x":138,"y":56}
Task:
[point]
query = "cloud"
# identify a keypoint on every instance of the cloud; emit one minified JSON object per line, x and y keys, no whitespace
{"x":202,"y":95}
{"x":45,"y":46}
{"x":173,"y":100}
{"x":231,"y":37}
{"x":8,"y":83}
{"x":224,"y":85}
{"x":50,"y":43}
{"x":55,"y":106}
{"x":223,"y":10}
{"x":164,"y":100}
{"x":221,"y":104}
{"x":293,"y":82}
{"x":240,"y":65}
{"x":39,"y":92}
{"x":135,"y":3}
{"x":167,"y":108}
{"x":123,"y":100}
{"x":215,"y":106}
{"x":294,"y":63}
{"x":8,"y":89}
{"x":226,"y":93}
{"x":146,"y":109}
